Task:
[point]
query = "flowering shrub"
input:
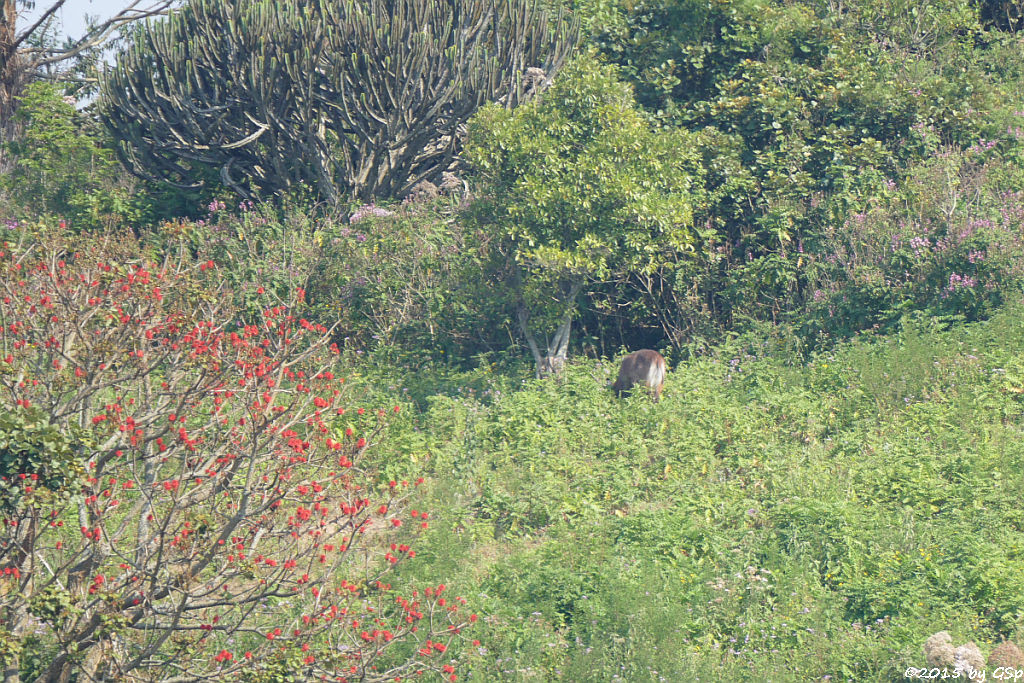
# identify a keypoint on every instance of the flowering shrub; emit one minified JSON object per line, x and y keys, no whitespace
{"x":216,"y":520}
{"x":368,"y":210}
{"x":948,"y":242}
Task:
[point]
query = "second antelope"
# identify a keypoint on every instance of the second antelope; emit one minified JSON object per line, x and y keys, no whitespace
{"x":645,"y":367}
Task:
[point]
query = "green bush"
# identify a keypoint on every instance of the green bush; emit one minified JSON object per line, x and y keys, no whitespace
{"x":413,"y":282}
{"x":262,"y":250}
{"x":62,"y":165}
{"x":806,"y":116}
{"x":946,"y":242}
{"x":40,"y":460}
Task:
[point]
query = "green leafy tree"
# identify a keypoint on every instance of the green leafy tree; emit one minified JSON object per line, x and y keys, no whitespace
{"x":61,"y":165}
{"x":353,"y":99}
{"x":581,"y":189}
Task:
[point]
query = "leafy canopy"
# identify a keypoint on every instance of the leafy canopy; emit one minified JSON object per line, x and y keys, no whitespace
{"x":61,"y":164}
{"x":579,"y":182}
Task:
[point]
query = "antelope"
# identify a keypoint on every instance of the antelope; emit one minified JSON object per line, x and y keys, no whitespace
{"x":641,"y":367}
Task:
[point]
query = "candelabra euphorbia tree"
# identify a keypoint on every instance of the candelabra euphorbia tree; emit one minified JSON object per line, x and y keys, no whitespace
{"x":356,"y":99}
{"x":182,"y":493}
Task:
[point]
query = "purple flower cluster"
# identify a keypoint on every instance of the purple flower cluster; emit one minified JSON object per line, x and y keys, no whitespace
{"x":957,"y":281}
{"x":368,"y":210}
{"x":920,"y":245}
{"x":984,"y":145}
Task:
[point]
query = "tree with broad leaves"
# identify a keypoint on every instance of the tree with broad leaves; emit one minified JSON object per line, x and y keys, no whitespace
{"x":183,"y":495}
{"x":580,"y":189}
{"x":355,"y":99}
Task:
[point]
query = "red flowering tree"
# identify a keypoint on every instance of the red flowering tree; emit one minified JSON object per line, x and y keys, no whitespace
{"x":182,"y":492}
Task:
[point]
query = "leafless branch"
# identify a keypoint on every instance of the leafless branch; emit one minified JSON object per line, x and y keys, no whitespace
{"x":99,"y":33}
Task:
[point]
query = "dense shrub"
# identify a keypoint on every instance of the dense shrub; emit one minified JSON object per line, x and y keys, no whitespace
{"x":946,"y":242}
{"x":61,"y":165}
{"x":806,"y":114}
{"x":265,"y":251}
{"x":413,"y":281}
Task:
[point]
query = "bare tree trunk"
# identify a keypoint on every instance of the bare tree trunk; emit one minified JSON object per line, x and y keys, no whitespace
{"x":9,"y":72}
{"x":553,"y":360}
{"x":558,"y":347}
{"x":12,"y":672}
{"x":523,"y":318}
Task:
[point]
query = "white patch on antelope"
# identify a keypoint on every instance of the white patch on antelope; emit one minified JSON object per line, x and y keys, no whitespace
{"x":645,"y":367}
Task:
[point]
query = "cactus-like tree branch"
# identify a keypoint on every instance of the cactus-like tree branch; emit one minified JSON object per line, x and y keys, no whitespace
{"x":355,"y":98}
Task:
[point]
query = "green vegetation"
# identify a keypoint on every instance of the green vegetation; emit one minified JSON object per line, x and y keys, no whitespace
{"x":580,"y":189}
{"x":805,"y":114}
{"x":62,"y":166}
{"x":303,"y":401}
{"x":765,"y":520}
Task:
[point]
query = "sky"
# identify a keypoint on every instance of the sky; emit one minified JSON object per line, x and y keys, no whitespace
{"x":72,"y":14}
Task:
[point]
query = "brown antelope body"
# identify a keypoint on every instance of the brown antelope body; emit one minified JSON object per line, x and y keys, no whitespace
{"x":645,"y":367}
